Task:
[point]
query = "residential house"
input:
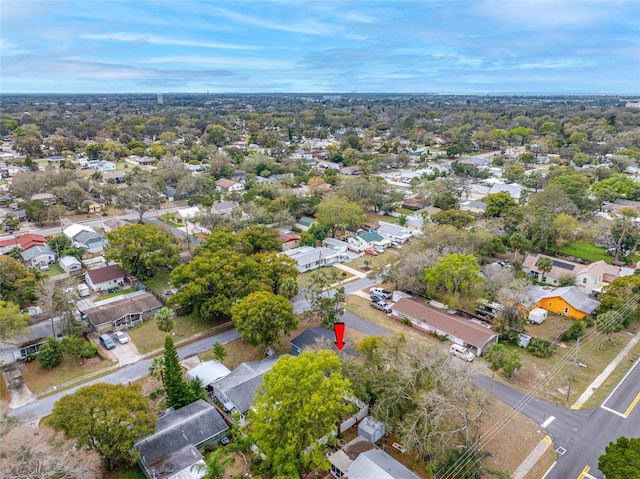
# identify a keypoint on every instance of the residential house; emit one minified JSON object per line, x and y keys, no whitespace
{"x":187,"y":214}
{"x":369,"y":239}
{"x":430,"y":319}
{"x":305,"y":223}
{"x":309,"y":258}
{"x":117,"y":177}
{"x":41,"y":327}
{"x":473,"y":206}
{"x":223,"y":207}
{"x":567,"y":301}
{"x":336,"y":244}
{"x":105,"y":278}
{"x":102,"y":165}
{"x":615,"y":207}
{"x":85,"y":237}
{"x":394,"y":233}
{"x":351,"y":170}
{"x":314,"y":337}
{"x":141,"y":160}
{"x":46,"y":198}
{"x":236,"y":391}
{"x":120,"y":314}
{"x":38,"y":256}
{"x":70,"y":264}
{"x":514,"y":189}
{"x":208,"y":372}
{"x":24,"y":242}
{"x":224,"y":186}
{"x":288,"y":240}
{"x":172,"y":450}
{"x":96,"y":205}
{"x":590,"y":279}
{"x":361,"y":459}
{"x":325,"y":165}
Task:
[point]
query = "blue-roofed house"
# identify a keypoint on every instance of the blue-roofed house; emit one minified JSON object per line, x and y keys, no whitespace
{"x":38,"y":256}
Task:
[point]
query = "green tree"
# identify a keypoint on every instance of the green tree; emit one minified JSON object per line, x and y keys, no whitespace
{"x":518,"y":242}
{"x":618,"y":292}
{"x":141,"y":195}
{"x":215,"y":465}
{"x":498,"y":204}
{"x":514,"y":172}
{"x":142,"y":249}
{"x":616,"y":186}
{"x":59,"y":243}
{"x":457,"y":218}
{"x":289,"y":288}
{"x":50,"y":353}
{"x":165,"y":319}
{"x":156,"y":370}
{"x":287,"y":422}
{"x":106,"y":418}
{"x":262,"y":316}
{"x":275,"y":269}
{"x":540,"y":347}
{"x":325,"y":298}
{"x":609,"y":323}
{"x":219,"y":353}
{"x":11,"y":221}
{"x":339,"y":212}
{"x":453,"y":275}
{"x":78,"y":347}
{"x":544,"y":265}
{"x":179,"y":393}
{"x":621,"y":459}
{"x":36,"y":211}
{"x":13,"y":323}
{"x":501,"y":358}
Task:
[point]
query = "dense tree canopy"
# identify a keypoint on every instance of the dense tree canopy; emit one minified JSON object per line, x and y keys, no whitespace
{"x":338,"y":212}
{"x":453,"y":275}
{"x":262,"y":316}
{"x":106,"y":418}
{"x":621,"y":459}
{"x":288,"y":420}
{"x":13,"y":323}
{"x":17,"y":283}
{"x":142,"y":249}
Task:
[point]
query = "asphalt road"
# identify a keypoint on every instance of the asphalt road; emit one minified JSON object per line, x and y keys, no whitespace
{"x":580,"y":436}
{"x":43,"y":406}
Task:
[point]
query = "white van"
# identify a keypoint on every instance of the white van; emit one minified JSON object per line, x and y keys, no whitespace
{"x":461,"y":352}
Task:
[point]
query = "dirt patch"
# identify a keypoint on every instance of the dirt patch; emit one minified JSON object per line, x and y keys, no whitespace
{"x":42,"y":380}
{"x":17,"y":386}
{"x":239,"y":466}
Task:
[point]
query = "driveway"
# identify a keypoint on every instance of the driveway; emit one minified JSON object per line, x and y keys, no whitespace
{"x":126,"y":353}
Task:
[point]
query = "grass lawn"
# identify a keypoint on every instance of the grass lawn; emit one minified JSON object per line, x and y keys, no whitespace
{"x":389,"y":256}
{"x":304,"y":278}
{"x":54,"y":270}
{"x":133,"y":472}
{"x":587,"y":251}
{"x":169,"y":219}
{"x":554,"y":326}
{"x":40,"y":380}
{"x":159,"y":281}
{"x":591,"y":362}
{"x":116,"y":293}
{"x":147,"y":337}
{"x":617,"y":374}
{"x":4,"y":391}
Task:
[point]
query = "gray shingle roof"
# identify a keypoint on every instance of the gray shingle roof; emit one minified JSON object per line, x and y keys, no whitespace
{"x":377,"y":463}
{"x":191,"y":425}
{"x":112,"y":311}
{"x":36,"y":251}
{"x":575,"y":298}
{"x":241,"y":384}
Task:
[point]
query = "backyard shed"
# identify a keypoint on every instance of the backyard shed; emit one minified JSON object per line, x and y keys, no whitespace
{"x":371,"y":429}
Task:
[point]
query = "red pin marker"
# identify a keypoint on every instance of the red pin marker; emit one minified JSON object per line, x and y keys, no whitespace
{"x":339,"y":330}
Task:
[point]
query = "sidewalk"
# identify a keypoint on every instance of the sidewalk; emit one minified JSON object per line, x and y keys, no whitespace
{"x":540,"y":449}
{"x":349,"y":270}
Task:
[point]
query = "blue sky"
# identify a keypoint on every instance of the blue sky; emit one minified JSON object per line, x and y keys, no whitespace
{"x":420,"y":46}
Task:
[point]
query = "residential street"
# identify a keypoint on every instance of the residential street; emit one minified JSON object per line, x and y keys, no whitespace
{"x":579,"y":436}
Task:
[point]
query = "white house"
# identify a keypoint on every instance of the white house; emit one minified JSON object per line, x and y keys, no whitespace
{"x":38,"y":256}
{"x":370,"y":239}
{"x":224,"y":185}
{"x":70,"y":264}
{"x":309,"y":258}
{"x":103,"y":279}
{"x":395,"y":233}
{"x":186,"y":214}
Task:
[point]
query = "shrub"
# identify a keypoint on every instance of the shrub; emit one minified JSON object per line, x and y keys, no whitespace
{"x":574,"y":332}
{"x":540,"y":347}
{"x":50,"y":353}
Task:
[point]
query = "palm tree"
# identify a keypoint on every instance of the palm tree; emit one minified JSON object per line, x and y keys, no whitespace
{"x":544,"y":265}
{"x":165,"y":319}
{"x":215,"y":465}
{"x":156,"y":370}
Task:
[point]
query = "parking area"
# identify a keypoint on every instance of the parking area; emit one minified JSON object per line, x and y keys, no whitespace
{"x":123,"y":353}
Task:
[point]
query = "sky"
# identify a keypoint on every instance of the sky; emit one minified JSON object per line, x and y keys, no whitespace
{"x":321,"y":46}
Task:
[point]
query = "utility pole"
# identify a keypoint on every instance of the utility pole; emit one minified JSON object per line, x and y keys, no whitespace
{"x":573,"y":367}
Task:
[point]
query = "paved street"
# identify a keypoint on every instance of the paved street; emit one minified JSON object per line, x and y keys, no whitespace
{"x":579,"y":436}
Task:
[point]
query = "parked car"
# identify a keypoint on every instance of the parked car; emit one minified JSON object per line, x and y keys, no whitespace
{"x":377,"y":297}
{"x":461,"y":352}
{"x":378,"y":249}
{"x":371,"y":251}
{"x":121,"y":337}
{"x":382,"y":306}
{"x":107,"y":342}
{"x":384,"y":292}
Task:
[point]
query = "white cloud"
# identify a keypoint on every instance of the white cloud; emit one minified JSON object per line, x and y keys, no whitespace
{"x":158,"y":40}
{"x":9,"y":49}
{"x":309,"y":27}
{"x":223,"y":62}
